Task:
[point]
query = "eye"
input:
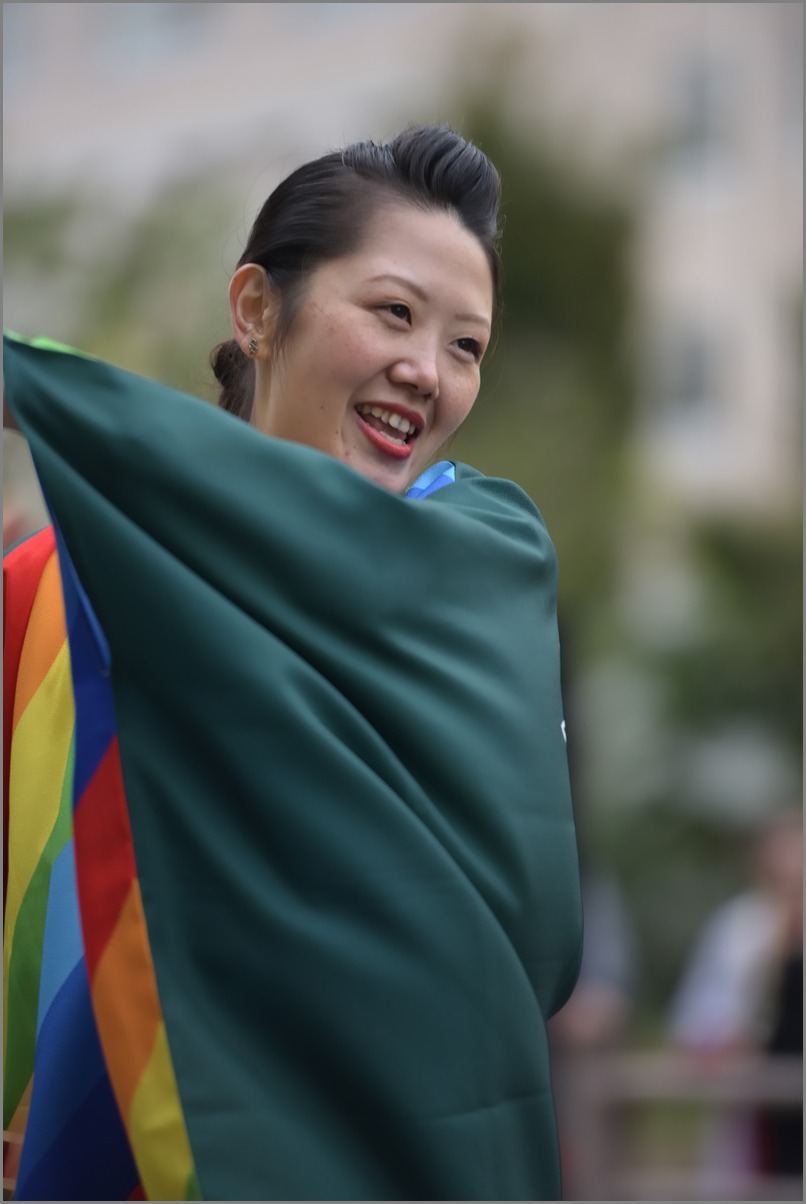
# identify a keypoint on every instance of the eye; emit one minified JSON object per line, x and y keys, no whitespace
{"x":398,"y":310}
{"x":471,"y":347}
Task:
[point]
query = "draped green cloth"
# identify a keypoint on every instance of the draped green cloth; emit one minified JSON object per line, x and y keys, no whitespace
{"x":341,"y":737}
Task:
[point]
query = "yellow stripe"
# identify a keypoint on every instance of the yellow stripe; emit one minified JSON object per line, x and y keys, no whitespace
{"x":39,"y":756}
{"x":157,"y":1128}
{"x":38,"y":761}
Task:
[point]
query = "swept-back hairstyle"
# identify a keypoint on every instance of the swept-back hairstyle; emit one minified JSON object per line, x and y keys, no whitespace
{"x":319,"y":212}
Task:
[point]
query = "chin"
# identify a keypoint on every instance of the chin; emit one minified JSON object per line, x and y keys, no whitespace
{"x":390,"y":481}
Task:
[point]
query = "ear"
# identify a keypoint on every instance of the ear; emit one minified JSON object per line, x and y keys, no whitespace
{"x":251,"y":309}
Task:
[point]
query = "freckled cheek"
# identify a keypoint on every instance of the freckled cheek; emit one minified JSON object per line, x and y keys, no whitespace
{"x":356,"y":353}
{"x":460,"y":408}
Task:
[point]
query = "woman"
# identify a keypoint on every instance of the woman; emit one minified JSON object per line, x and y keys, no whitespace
{"x":322,"y":835}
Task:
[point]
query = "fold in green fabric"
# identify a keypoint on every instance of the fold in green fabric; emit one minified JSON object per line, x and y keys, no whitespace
{"x":341,"y":737}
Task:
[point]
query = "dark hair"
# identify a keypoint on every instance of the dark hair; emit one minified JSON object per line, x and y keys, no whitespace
{"x":319,"y":212}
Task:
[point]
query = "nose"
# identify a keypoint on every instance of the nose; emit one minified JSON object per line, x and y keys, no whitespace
{"x":418,"y":371}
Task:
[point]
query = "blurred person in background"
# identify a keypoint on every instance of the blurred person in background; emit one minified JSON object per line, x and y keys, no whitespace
{"x":318,"y":894}
{"x":741,"y":993}
{"x":780,"y":1129}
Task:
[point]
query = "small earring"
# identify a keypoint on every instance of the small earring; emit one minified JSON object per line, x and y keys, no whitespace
{"x":252,"y":348}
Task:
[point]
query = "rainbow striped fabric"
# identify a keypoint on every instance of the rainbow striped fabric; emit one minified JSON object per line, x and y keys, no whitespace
{"x":94,"y":1049}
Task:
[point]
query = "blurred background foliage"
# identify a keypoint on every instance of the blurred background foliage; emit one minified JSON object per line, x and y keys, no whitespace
{"x":97,"y":273}
{"x":670,"y":723}
{"x":562,"y":369}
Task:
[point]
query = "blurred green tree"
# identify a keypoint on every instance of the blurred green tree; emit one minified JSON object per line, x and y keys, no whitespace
{"x":145,"y":288}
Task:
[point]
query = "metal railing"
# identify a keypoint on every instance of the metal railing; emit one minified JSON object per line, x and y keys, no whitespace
{"x":598,"y":1096}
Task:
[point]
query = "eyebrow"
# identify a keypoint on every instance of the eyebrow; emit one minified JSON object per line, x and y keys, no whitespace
{"x":423,"y":296}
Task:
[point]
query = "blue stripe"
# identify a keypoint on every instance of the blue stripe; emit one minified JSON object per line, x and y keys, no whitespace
{"x":74,"y":1168}
{"x":77,"y":603}
{"x":90,"y":663}
{"x":439,"y":474}
{"x":75,"y":1145}
{"x":62,"y":946}
{"x":67,"y":1065}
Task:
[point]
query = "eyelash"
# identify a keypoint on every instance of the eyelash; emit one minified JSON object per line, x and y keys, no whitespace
{"x":468,"y":345}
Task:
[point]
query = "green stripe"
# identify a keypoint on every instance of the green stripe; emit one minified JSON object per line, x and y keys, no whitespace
{"x":45,"y":344}
{"x":192,"y":1187}
{"x":26,"y":955}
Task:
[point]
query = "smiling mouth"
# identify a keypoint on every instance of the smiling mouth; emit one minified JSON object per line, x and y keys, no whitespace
{"x":392,"y":432}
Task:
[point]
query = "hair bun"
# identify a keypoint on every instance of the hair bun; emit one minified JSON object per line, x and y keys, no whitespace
{"x":234,"y":371}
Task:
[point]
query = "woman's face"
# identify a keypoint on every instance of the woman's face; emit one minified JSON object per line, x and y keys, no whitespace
{"x":382,"y":361}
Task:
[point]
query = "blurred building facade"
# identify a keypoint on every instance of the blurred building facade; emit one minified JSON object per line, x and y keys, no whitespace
{"x":696,"y":109}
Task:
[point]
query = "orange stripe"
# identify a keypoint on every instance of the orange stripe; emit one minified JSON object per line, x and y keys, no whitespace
{"x":47,"y":620}
{"x":124,"y":995}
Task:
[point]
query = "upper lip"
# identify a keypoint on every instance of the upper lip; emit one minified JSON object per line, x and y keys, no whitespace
{"x":417,"y":420}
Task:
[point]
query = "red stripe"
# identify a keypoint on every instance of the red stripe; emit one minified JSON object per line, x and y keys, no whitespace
{"x":22,"y":570}
{"x":104,"y":854}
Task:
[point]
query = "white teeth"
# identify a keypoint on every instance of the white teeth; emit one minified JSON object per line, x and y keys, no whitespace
{"x":390,"y":418}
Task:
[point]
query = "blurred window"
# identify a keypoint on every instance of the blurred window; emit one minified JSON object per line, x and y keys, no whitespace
{"x":791,"y":78}
{"x":687,"y":373}
{"x":316,"y":15}
{"x":705,"y":119}
{"x":136,"y":34}
{"x":19,"y":46}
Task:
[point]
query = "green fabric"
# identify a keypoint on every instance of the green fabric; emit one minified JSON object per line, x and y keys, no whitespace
{"x":340,"y":727}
